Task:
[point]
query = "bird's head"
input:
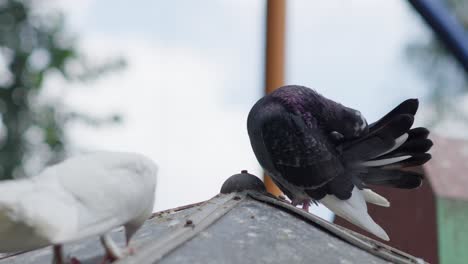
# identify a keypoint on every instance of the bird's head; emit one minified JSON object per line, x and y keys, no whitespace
{"x":354,"y":124}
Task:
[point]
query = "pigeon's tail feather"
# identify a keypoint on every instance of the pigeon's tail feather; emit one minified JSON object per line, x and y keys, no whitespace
{"x":354,"y":210}
{"x":391,"y":178}
{"x":375,"y":198}
{"x":379,"y":141}
{"x":415,"y":160}
{"x":385,"y":145}
{"x":409,"y":106}
{"x":390,"y":145}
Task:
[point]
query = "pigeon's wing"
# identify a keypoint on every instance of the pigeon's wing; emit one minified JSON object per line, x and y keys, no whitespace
{"x":79,"y":198}
{"x":112,"y":189}
{"x":299,"y":152}
{"x":32,"y":216}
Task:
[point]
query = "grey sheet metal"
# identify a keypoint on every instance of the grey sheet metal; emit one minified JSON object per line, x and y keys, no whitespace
{"x":240,"y":227}
{"x":206,"y":215}
{"x":370,"y":245}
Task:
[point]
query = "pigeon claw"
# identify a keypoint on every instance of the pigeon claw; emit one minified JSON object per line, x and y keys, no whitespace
{"x":305,"y":203}
{"x":130,"y":251}
{"x":108,"y":258}
{"x":305,"y":206}
{"x":74,"y":261}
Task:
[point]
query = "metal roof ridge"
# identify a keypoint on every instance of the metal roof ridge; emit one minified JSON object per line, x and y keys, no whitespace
{"x":207,"y":214}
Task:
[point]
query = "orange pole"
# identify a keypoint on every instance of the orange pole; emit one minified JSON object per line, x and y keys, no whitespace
{"x":274,"y":64}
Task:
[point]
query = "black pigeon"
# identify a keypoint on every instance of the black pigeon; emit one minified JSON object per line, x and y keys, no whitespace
{"x":321,"y":151}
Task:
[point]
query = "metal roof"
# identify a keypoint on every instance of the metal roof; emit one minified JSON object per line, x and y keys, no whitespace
{"x":242,"y":225}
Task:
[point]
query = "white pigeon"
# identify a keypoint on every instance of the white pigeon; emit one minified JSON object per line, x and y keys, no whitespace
{"x":81,"y":197}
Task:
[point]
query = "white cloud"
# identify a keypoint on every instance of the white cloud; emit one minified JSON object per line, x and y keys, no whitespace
{"x":171,"y":113}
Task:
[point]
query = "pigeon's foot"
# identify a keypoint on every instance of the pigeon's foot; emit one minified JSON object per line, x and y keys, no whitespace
{"x":305,"y":203}
{"x":58,"y":256}
{"x":113,"y":252}
{"x":74,"y":261}
{"x":108,"y":258}
{"x":130,"y":251}
{"x":305,"y":206}
{"x":295,"y":202}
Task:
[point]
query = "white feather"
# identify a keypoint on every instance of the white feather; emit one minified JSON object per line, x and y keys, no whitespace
{"x":84,"y":196}
{"x":375,"y":198}
{"x":355,"y":211}
{"x":398,"y":142}
{"x":382,"y":162}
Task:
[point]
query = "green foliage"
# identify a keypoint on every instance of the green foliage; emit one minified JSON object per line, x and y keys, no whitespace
{"x":34,"y":45}
{"x":445,"y":76}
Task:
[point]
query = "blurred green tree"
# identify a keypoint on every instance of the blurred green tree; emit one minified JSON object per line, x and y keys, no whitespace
{"x":33,"y":45}
{"x":445,"y":76}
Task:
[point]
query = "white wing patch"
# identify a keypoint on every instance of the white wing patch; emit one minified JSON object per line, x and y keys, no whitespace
{"x":355,"y":211}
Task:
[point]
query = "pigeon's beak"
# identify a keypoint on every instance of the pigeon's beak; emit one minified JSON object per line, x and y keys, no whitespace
{"x":366,"y":128}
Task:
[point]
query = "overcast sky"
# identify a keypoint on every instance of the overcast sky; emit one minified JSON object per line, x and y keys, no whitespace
{"x":196,"y":67}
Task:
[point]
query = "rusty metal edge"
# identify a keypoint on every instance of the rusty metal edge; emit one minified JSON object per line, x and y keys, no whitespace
{"x":372,"y":246}
{"x":174,"y":210}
